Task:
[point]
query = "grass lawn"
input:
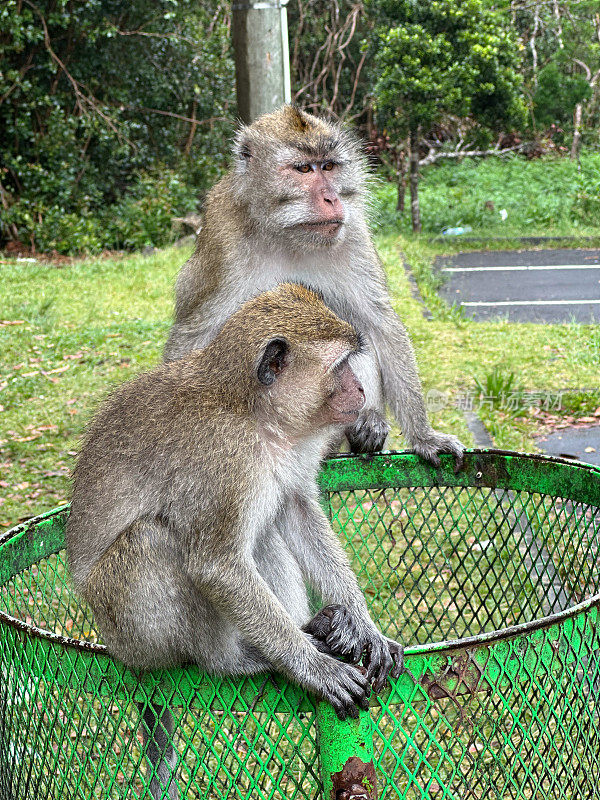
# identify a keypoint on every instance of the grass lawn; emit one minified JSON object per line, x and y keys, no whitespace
{"x":68,"y":334}
{"x":549,"y":196}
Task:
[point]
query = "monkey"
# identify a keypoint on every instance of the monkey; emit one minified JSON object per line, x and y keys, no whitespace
{"x":293,"y":208}
{"x":195,"y":523}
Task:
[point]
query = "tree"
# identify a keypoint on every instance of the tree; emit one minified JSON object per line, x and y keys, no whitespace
{"x":98,"y":99}
{"x":561,"y":69}
{"x":433,"y":58}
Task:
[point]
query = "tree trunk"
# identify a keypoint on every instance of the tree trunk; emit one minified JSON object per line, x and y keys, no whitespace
{"x":414,"y":181}
{"x":401,"y":171}
{"x":576,"y":130}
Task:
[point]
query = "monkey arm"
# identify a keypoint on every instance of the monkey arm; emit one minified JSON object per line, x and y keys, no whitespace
{"x":237,"y":589}
{"x":351,"y":632}
{"x":401,"y":384}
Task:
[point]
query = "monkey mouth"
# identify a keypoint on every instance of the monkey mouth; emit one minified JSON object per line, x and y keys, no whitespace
{"x":344,"y":417}
{"x":326,"y":227}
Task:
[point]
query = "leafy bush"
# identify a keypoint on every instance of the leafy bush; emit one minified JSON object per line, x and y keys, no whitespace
{"x":557,"y":95}
{"x":112,"y":118}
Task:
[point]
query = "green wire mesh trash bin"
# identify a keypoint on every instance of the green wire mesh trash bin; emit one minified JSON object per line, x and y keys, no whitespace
{"x":491,"y":578}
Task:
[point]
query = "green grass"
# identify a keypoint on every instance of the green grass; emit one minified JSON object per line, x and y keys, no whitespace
{"x":85,"y":328}
{"x":548,"y":196}
{"x":92,"y":324}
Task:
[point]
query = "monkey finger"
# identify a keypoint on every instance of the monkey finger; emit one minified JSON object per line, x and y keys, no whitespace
{"x":380,"y":665}
{"x":339,"y":707}
{"x":397,"y":653}
{"x":345,"y":637}
{"x":459,"y":461}
{"x":322,"y":647}
{"x":357,"y":652}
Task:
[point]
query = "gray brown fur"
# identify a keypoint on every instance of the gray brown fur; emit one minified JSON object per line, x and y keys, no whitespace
{"x":195,"y":520}
{"x":252,"y":239}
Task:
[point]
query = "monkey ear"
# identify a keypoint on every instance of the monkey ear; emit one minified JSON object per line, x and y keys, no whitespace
{"x":272,"y":361}
{"x":241,"y":149}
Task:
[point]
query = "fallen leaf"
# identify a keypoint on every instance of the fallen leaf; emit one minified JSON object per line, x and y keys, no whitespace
{"x":586,"y":419}
{"x":597,"y":412}
{"x":58,"y":369}
{"x":5,"y":322}
{"x":590,"y":449}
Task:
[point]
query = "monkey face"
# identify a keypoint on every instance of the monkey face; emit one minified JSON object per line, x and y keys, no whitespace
{"x":301,"y":179}
{"x":311,"y":385}
{"x":313,"y":207}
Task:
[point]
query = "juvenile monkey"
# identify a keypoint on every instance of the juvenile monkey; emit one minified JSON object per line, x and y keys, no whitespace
{"x":175,"y":536}
{"x":292,"y":208}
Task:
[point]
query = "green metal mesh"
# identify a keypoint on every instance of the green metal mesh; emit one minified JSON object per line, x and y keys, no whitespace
{"x":445,"y":562}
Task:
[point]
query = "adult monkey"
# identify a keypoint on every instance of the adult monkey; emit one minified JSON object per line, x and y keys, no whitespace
{"x":175,"y":536}
{"x":293,"y":209}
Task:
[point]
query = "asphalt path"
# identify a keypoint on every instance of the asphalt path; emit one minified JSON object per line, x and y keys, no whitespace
{"x":524,"y":286}
{"x":582,"y":444}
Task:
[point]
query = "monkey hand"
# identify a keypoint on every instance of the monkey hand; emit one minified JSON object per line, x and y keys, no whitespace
{"x":435,"y":443}
{"x":343,"y":685}
{"x":368,"y":433}
{"x":337,"y":633}
{"x":383,"y":657}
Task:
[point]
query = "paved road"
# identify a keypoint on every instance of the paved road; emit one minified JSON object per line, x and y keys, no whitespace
{"x":524,"y":286}
{"x":573,"y":443}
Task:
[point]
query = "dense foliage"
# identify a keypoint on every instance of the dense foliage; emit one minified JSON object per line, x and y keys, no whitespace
{"x":94,"y":152}
{"x":115,"y":117}
{"x":439,"y":57}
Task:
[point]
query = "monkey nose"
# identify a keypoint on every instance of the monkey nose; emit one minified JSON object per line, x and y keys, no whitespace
{"x":332,"y":206}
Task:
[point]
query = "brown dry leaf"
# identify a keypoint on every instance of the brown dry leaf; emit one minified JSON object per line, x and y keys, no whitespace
{"x":597,"y":412}
{"x":586,"y":419}
{"x":590,"y":449}
{"x":5,"y":322}
{"x":58,"y":369}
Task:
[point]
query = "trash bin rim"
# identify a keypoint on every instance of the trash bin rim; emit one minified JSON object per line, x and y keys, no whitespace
{"x":449,"y":645}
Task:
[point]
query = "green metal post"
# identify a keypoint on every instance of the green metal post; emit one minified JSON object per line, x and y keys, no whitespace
{"x":346,"y":755}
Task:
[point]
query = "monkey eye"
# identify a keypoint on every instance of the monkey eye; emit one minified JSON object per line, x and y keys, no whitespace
{"x":327,"y":166}
{"x":304,"y":168}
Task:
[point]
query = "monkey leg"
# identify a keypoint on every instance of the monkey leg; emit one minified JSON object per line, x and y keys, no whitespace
{"x":369,"y":432}
{"x":279,"y":568}
{"x":157,"y":731}
{"x":151,"y":615}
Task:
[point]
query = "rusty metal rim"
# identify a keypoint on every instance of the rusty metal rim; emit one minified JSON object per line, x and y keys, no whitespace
{"x":423,"y":649}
